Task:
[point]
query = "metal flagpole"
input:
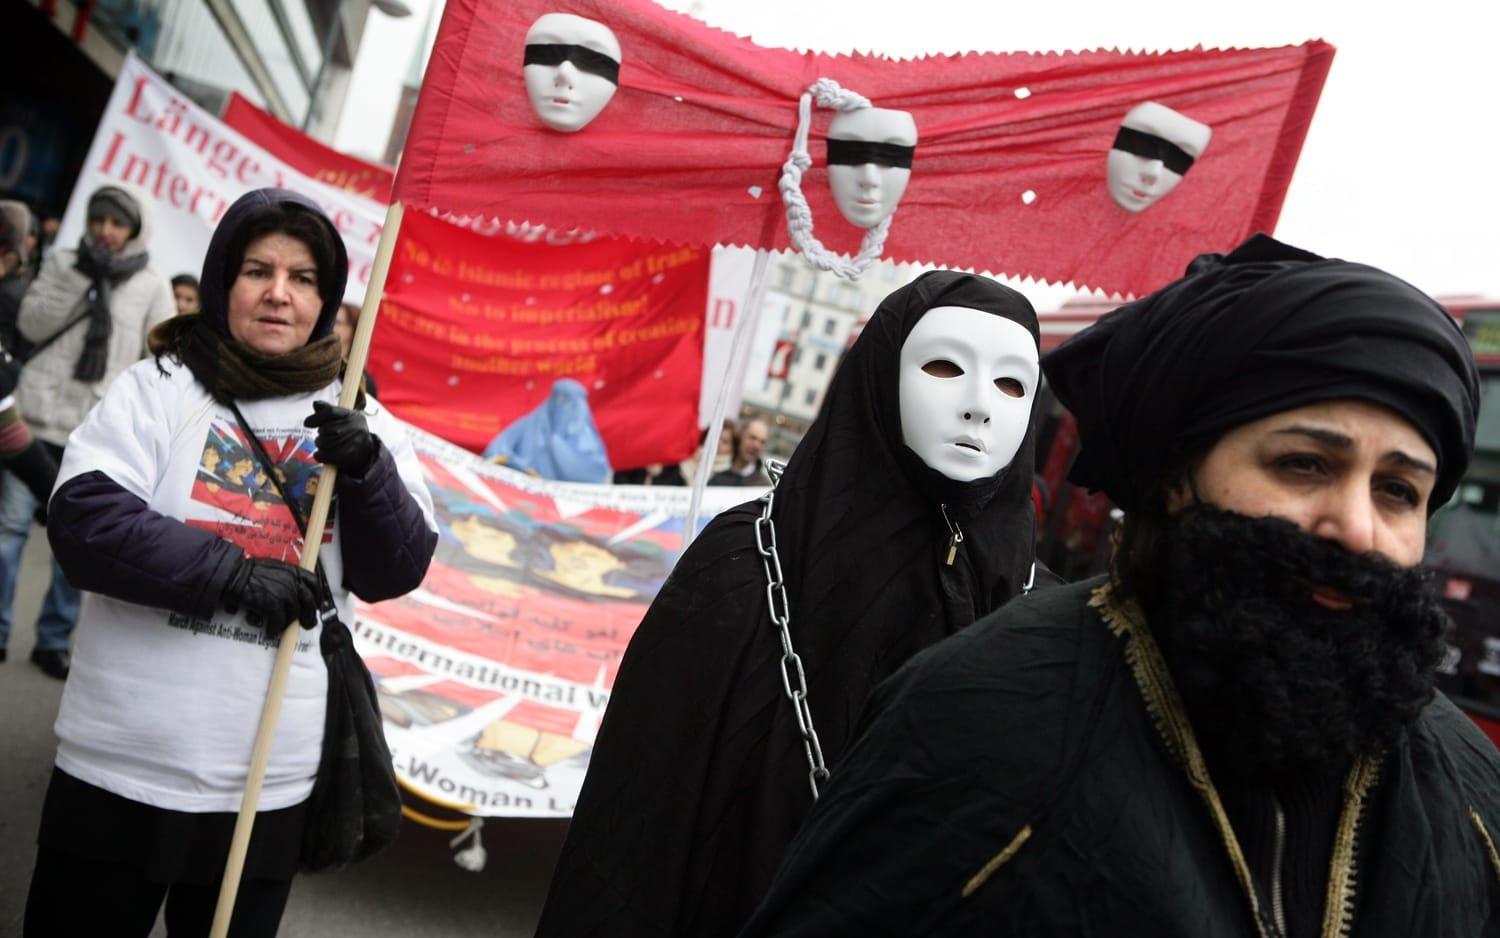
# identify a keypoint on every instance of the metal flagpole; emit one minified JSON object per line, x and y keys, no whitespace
{"x":739,"y":357}
{"x":260,"y":754}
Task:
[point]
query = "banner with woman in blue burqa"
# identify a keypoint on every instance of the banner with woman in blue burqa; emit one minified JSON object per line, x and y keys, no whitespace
{"x":557,"y":441}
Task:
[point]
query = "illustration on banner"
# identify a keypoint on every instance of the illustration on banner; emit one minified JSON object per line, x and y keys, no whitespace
{"x":494,"y":675}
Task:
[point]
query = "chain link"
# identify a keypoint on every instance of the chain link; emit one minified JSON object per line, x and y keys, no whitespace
{"x":793,"y":677}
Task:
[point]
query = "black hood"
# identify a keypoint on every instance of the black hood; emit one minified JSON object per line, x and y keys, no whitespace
{"x":217,"y":277}
{"x":862,"y":539}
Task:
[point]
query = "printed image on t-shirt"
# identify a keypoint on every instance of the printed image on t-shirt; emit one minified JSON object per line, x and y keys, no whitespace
{"x":234,"y":499}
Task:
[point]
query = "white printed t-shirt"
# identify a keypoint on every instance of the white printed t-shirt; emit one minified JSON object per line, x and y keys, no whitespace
{"x":160,"y":707}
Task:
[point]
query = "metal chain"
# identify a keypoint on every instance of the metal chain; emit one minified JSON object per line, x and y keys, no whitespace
{"x":793,"y":677}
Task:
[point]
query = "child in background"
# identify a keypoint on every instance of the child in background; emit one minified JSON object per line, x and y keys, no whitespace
{"x":185,"y":293}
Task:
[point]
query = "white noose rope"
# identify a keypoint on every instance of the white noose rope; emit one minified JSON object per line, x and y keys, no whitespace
{"x":799,"y":220}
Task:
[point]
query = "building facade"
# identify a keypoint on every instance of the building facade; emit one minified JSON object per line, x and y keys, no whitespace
{"x":293,"y":57}
{"x":821,"y":315}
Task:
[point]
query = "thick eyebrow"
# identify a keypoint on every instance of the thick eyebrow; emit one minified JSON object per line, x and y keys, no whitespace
{"x":1409,"y":462}
{"x":1329,"y":438}
{"x":1335,"y":440}
{"x":311,"y":269}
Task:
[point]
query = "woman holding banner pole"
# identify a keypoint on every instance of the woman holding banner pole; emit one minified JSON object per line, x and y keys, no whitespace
{"x":186,"y":540}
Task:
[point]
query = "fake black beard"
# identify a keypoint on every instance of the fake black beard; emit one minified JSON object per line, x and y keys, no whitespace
{"x":1274,"y":682}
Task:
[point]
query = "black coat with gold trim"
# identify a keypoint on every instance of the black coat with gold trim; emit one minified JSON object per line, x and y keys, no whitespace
{"x":1035,"y":776}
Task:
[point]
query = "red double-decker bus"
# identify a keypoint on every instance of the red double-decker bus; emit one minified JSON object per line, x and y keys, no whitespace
{"x":1463,"y":538}
{"x":1463,"y":542}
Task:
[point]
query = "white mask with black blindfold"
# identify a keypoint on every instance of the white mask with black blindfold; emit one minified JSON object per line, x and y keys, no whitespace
{"x":967,"y":379}
{"x":572,"y":68}
{"x":1153,"y":150}
{"x":869,"y":162}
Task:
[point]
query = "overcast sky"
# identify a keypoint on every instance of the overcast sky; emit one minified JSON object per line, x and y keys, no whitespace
{"x":1401,"y":168}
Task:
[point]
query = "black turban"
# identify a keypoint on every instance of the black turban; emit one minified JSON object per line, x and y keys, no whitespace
{"x":1264,"y":329}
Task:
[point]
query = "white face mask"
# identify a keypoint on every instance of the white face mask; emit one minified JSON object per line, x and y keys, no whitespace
{"x":867,"y":192}
{"x":565,"y":87}
{"x":1138,"y":180}
{"x":966,"y":386}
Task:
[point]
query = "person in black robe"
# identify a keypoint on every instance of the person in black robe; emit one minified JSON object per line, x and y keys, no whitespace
{"x":699,"y":778}
{"x":1236,"y":732}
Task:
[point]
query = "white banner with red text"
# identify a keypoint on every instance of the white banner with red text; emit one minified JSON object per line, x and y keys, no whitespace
{"x":194,"y":166}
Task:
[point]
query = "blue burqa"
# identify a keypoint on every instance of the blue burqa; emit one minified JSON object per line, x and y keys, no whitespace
{"x":558,"y":440}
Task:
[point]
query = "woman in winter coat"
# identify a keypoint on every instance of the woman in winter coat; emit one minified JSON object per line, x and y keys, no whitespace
{"x":85,"y":317}
{"x":20,"y":453}
{"x":188,"y":551}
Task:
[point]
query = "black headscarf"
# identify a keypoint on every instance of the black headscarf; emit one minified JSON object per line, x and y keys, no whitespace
{"x":229,"y":369}
{"x":217,"y":262}
{"x":1263,"y":329}
{"x":861,"y":537}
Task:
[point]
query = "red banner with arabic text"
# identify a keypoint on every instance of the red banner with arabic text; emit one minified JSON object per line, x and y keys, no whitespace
{"x":472,"y":337}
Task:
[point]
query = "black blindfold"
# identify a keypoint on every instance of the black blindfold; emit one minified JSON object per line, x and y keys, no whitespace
{"x":1151,"y":147}
{"x":860,"y":152}
{"x":583,"y":58}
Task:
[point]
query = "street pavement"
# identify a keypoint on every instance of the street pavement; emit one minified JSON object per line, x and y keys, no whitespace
{"x":413,"y":890}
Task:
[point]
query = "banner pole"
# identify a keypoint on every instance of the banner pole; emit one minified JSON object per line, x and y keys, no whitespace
{"x":260,"y":754}
{"x":739,"y":357}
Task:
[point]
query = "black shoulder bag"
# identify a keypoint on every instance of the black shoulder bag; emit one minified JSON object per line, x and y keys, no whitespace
{"x":83,"y":314}
{"x":10,"y":373}
{"x":355,"y":807}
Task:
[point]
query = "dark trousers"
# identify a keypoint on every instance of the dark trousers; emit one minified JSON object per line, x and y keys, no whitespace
{"x":73,"y":897}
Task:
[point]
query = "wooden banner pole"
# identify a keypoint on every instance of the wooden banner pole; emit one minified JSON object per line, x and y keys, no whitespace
{"x":260,"y":755}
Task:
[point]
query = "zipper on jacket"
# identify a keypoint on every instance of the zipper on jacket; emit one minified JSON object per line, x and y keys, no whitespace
{"x":955,"y":536}
{"x":1278,"y":907}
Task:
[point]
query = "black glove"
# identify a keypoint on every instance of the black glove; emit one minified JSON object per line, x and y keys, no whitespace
{"x":37,"y":468}
{"x":344,"y":439}
{"x":273,"y":594}
{"x":10,"y":373}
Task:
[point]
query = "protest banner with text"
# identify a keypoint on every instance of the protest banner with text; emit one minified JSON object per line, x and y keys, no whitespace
{"x":493,"y":676}
{"x":472,"y":338}
{"x":728,"y":281}
{"x":194,"y":167}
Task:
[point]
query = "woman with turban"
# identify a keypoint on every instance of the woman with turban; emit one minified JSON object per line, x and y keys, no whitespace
{"x":188,"y":592}
{"x":1236,"y":732}
{"x":904,"y":515}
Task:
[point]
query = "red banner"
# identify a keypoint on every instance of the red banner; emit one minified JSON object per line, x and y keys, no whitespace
{"x":307,"y":155}
{"x":1009,"y":172}
{"x":472,"y":337}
